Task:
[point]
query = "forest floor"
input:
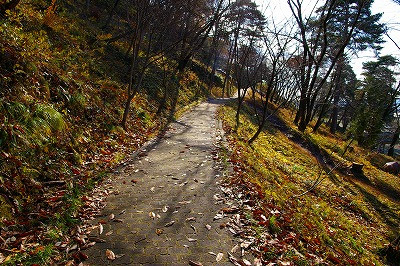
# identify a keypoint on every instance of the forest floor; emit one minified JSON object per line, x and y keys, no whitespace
{"x":165,"y":205}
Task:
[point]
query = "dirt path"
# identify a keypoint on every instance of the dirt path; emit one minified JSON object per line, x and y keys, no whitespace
{"x":176,"y":180}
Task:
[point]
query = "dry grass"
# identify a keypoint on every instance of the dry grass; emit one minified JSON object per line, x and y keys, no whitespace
{"x":345,"y":219}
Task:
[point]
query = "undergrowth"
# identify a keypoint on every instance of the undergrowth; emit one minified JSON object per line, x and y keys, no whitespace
{"x":344,"y":220}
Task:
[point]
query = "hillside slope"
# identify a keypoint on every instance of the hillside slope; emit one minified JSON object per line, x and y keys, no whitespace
{"x":63,"y":89}
{"x":314,"y":209}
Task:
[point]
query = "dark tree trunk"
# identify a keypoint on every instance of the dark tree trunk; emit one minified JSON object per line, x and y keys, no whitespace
{"x":126,"y":111}
{"x":334,"y":114}
{"x":394,"y":141}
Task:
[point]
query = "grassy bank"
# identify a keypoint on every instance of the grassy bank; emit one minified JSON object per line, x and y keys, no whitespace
{"x":346,"y":219}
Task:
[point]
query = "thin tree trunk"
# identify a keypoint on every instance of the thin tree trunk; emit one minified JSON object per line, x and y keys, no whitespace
{"x":394,"y":141}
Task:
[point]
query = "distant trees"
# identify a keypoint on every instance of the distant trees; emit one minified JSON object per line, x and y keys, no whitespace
{"x":273,"y":64}
{"x":323,"y":42}
{"x":376,"y":100}
{"x":307,"y":67}
{"x":177,"y":29}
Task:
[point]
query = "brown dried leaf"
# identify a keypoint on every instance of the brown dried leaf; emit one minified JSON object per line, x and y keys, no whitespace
{"x":110,"y":255}
{"x":234,"y":260}
{"x":100,"y":229}
{"x":257,"y":262}
{"x":194,"y":263}
{"x":235,"y":248}
{"x":169,"y":224}
{"x":194,"y":228}
{"x":246,"y":262}
{"x":218,"y":216}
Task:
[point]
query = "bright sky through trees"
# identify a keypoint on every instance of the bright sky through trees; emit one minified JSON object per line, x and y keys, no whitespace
{"x":280,"y":11}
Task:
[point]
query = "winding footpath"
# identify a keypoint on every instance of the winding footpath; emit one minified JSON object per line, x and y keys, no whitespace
{"x":168,"y":197}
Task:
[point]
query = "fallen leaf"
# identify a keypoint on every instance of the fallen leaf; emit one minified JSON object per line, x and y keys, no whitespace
{"x":191,"y":239}
{"x":257,"y":262}
{"x":122,"y":212}
{"x":159,"y":231}
{"x":208,"y":227}
{"x":119,"y":256}
{"x":96,"y":239}
{"x":246,"y":244}
{"x":219,"y":257}
{"x":230,"y":210}
{"x":246,"y":262}
{"x":169,"y":224}
{"x":100,"y":229}
{"x":190,"y":219}
{"x":212,"y":253}
{"x":165,"y":208}
{"x":234,"y":260}
{"x":152,"y":215}
{"x":110,"y":255}
{"x":194,"y":263}
{"x":194,"y":228}
{"x":112,"y":216}
{"x":218,"y":216}
{"x":152,"y":189}
{"x":235,"y":248}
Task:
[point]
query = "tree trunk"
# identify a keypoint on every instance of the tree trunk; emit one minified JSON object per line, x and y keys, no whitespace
{"x":335,"y":112}
{"x":126,"y":111}
{"x":394,"y":141}
{"x":237,"y":117}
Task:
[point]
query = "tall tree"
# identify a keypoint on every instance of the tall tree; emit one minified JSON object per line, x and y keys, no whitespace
{"x":319,"y":54}
{"x":376,"y":100}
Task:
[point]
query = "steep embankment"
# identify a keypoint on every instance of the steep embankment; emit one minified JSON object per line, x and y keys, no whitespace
{"x":346,"y":219}
{"x":63,"y":90}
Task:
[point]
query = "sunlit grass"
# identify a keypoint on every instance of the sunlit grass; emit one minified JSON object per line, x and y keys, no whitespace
{"x":341,"y":218}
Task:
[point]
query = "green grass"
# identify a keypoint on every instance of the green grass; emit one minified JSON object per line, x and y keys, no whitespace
{"x":343,"y":218}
